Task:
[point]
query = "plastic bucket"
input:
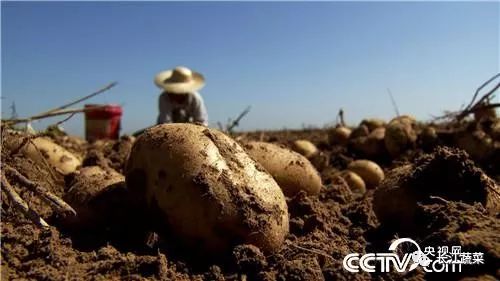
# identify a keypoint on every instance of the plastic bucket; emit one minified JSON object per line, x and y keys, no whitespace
{"x":102,"y":122}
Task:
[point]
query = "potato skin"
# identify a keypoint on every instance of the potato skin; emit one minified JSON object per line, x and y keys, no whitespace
{"x":58,"y":157}
{"x":339,"y":135}
{"x":305,"y":147}
{"x":371,"y":146}
{"x":97,"y":195}
{"x":355,"y":182}
{"x":369,"y":171}
{"x":373,"y":123}
{"x":400,"y":135}
{"x":211,"y":194}
{"x":292,"y":171}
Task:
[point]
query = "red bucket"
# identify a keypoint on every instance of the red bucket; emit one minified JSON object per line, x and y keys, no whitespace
{"x":103,"y":122}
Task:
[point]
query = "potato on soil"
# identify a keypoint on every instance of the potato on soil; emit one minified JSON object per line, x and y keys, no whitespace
{"x":428,"y":138}
{"x":292,"y":171}
{"x":211,"y":194}
{"x":478,"y":144}
{"x":94,"y":193}
{"x":339,"y":135}
{"x":360,"y":131}
{"x":372,"y":145}
{"x":320,"y":161}
{"x":369,"y":171}
{"x":305,"y":147}
{"x":400,"y":135}
{"x":41,"y":148}
{"x":373,"y":123}
{"x":355,"y":182}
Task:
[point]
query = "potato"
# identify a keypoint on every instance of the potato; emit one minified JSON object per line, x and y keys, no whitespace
{"x":369,"y":171}
{"x":400,"y":135}
{"x":355,"y":182}
{"x":477,"y":144}
{"x":59,"y":158}
{"x":495,"y":130}
{"x":339,"y":135}
{"x":372,"y":145}
{"x":428,"y":137}
{"x":373,"y":123}
{"x":292,"y":171}
{"x":320,"y":161}
{"x":405,"y":119}
{"x":360,"y":131}
{"x":94,"y":194}
{"x":305,"y":147}
{"x":211,"y":194}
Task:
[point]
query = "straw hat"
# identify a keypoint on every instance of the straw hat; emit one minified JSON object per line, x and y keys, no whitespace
{"x":179,"y":80}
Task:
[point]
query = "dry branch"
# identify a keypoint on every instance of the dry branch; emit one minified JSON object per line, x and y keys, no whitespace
{"x":46,"y":195}
{"x":20,"y":204}
{"x":61,"y":110}
{"x":52,"y":114}
{"x":475,"y":106}
{"x":102,"y":90}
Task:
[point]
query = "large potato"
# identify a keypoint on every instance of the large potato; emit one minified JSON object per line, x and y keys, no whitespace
{"x":211,"y":194}
{"x":41,"y":149}
{"x":292,"y":171}
{"x":305,"y":147}
{"x":369,"y":171}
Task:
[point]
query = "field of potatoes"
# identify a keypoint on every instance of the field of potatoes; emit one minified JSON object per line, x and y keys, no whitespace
{"x":185,"y":202}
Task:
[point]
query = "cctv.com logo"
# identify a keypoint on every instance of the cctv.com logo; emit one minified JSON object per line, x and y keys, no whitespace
{"x":430,"y":260}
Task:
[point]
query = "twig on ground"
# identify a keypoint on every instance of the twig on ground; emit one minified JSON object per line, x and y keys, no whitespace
{"x":441,"y":199}
{"x":314,"y":251}
{"x":20,"y":204}
{"x":46,"y":195}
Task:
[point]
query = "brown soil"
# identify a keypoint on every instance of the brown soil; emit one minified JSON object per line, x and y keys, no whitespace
{"x":323,"y":229}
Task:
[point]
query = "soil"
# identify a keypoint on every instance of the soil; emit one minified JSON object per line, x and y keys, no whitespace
{"x":448,"y":190}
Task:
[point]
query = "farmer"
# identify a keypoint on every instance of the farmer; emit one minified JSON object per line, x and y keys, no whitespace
{"x":180,"y":102}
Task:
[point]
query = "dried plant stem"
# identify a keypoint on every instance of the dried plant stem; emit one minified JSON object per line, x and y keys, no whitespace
{"x":20,"y":204}
{"x":317,"y":252}
{"x":102,"y":90}
{"x":46,"y":195}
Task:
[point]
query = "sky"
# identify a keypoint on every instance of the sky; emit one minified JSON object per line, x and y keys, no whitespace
{"x":294,"y":63}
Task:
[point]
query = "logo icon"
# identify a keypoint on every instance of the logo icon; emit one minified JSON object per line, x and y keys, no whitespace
{"x":429,"y":260}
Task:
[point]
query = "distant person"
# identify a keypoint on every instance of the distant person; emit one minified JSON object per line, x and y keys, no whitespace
{"x":180,"y":101}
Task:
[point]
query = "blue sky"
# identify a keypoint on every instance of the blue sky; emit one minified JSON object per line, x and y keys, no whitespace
{"x":294,"y":63}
